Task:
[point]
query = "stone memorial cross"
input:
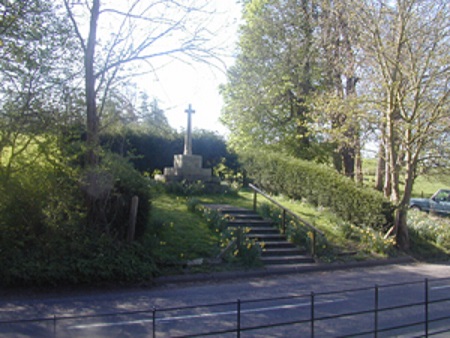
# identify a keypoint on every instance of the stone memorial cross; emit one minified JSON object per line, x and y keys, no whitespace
{"x":188,"y":137}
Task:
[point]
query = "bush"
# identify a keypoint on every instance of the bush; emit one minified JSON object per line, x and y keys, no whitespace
{"x":43,"y":235}
{"x":72,"y":256}
{"x":128,"y":182}
{"x":320,"y":186}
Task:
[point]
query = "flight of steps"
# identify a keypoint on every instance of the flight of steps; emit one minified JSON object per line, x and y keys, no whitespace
{"x":276,"y":249}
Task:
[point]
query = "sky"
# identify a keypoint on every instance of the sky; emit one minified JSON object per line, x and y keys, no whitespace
{"x":178,"y":84}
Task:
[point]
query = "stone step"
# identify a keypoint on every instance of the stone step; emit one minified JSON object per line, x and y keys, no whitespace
{"x":228,"y":209}
{"x":240,"y":216}
{"x":278,"y":244}
{"x":267,"y":237}
{"x":263,"y":230}
{"x":287,"y":252}
{"x":276,"y":250}
{"x":251,"y":223}
{"x":298,"y":259}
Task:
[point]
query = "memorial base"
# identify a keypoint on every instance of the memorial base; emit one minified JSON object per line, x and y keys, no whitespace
{"x":187,"y":168}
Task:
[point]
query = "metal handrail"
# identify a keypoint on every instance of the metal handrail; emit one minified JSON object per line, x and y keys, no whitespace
{"x":285,"y":210}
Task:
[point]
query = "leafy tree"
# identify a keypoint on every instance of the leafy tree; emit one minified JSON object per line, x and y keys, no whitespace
{"x":275,"y":71}
{"x":407,"y":46}
{"x":35,"y":46}
{"x":336,"y":102}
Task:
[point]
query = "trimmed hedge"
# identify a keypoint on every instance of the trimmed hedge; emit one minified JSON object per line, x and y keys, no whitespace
{"x":320,"y":186}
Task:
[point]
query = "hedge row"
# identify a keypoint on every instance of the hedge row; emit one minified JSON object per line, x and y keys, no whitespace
{"x":320,"y":186}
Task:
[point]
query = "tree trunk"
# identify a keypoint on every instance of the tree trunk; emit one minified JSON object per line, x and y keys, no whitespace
{"x":348,"y":159}
{"x":358,"y":163}
{"x":95,"y":198}
{"x":349,"y":150}
{"x":381,"y":166}
{"x":401,"y":225}
{"x":401,"y":228}
{"x":92,"y":123}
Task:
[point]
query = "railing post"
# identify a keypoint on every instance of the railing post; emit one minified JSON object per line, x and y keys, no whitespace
{"x":154,"y":322}
{"x":312,"y":314}
{"x":426,"y":307}
{"x":254,"y":200}
{"x":283,"y":222}
{"x":376,"y":311}
{"x":238,"y":318}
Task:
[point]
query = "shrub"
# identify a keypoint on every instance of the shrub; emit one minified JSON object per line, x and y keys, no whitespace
{"x":61,"y":257}
{"x":43,"y":237}
{"x":192,"y":204}
{"x":320,"y":186}
{"x":114,"y":183}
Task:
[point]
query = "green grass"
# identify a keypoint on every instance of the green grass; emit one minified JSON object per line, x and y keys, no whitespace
{"x":182,"y":235}
{"x":427,"y":185}
{"x":424,"y":186}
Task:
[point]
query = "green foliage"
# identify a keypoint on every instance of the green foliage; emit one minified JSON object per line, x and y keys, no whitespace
{"x":192,"y":204}
{"x":127,"y":182}
{"x":369,"y":240}
{"x":320,"y":186}
{"x":43,"y":237}
{"x":429,"y":229}
{"x":276,"y":69}
{"x":43,"y":240}
{"x":71,"y":256}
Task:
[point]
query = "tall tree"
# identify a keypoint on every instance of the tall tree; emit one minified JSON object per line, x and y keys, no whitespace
{"x":339,"y":43}
{"x":265,"y":97}
{"x":114,"y":38}
{"x":407,"y":43}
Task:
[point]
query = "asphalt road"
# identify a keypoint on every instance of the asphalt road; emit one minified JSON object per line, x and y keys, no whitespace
{"x":264,"y":301}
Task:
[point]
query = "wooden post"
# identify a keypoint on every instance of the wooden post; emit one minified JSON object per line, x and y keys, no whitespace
{"x":133,"y":217}
{"x":254,"y":200}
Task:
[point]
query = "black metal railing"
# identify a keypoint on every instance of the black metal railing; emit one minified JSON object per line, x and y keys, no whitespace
{"x":285,"y":211}
{"x":387,"y":310}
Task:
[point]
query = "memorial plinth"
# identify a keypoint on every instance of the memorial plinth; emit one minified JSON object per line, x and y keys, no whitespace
{"x":187,"y":166}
